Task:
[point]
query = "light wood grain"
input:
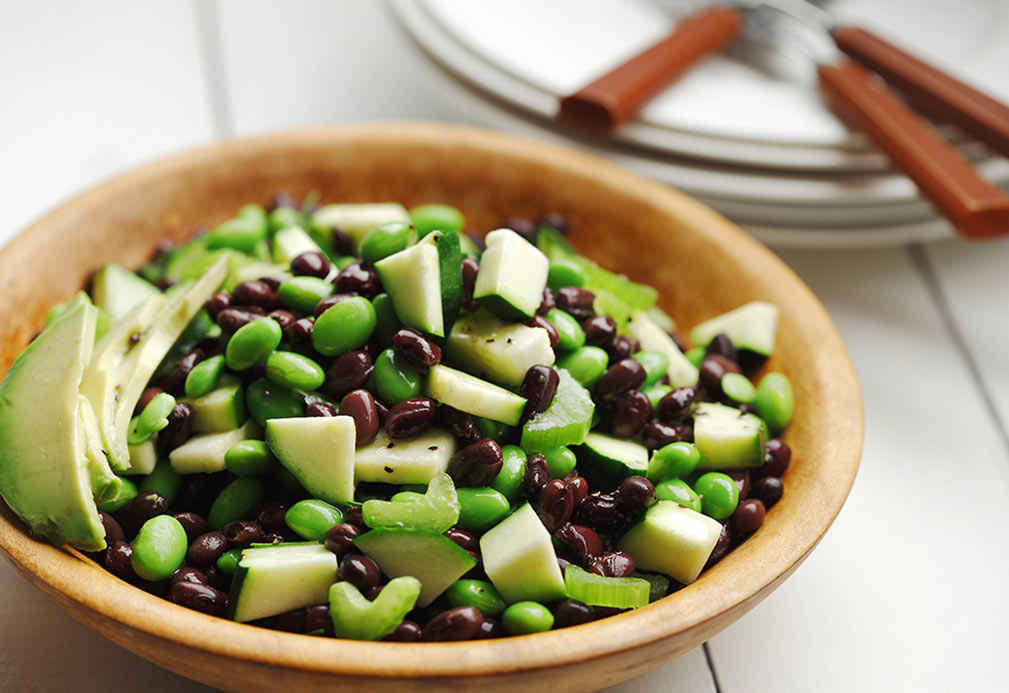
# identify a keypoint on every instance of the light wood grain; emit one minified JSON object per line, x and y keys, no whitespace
{"x":701,"y":263}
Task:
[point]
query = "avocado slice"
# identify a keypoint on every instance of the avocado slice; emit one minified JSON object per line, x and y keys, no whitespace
{"x":128,"y":355}
{"x":499,"y":351}
{"x":117,"y":290}
{"x":45,"y":472}
{"x":512,"y":276}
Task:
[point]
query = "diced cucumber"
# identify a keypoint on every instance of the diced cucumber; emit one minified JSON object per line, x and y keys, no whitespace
{"x":411,"y":461}
{"x":449,"y":272}
{"x":205,"y":454}
{"x":318,"y":451}
{"x":221,"y":409}
{"x":356,"y":220}
{"x":273,"y":579}
{"x":291,"y":242}
{"x":653,"y":338}
{"x":726,"y":438}
{"x":499,"y":351}
{"x":473,"y":395}
{"x":412,"y":278}
{"x":751,"y":326}
{"x":672,"y":540}
{"x":512,"y":275}
{"x":606,"y":461}
{"x":565,"y":422}
{"x":519,"y":558}
{"x":437,"y":510}
{"x":357,"y":618}
{"x":432,"y":558}
{"x":596,"y":590}
{"x":143,"y":457}
{"x":256,"y":270}
{"x":117,"y":290}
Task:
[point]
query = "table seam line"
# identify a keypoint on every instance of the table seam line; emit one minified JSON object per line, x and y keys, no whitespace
{"x":711,"y":668}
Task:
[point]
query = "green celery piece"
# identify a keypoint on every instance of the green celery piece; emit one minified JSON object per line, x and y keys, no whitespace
{"x":438,"y":511}
{"x":552,"y":243}
{"x":596,"y":590}
{"x":356,"y":618}
{"x":565,"y":422}
{"x":608,"y":303}
{"x":639,"y":296}
{"x":658,"y":585}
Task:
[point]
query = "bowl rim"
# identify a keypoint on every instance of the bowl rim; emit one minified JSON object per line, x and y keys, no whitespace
{"x":79,"y":580}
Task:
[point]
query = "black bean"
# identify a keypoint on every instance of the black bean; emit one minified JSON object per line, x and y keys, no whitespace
{"x":556,"y":504}
{"x":742,"y":479}
{"x":537,"y":475}
{"x":113,"y":530}
{"x":140,"y":509}
{"x":579,"y":487}
{"x":407,"y":631}
{"x":328,"y":302}
{"x":241,"y":533}
{"x":217,"y":578}
{"x":470,"y":267}
{"x":292,"y":621}
{"x":231,"y":318}
{"x":349,"y":371}
{"x":354,"y":516}
{"x":360,"y":406}
{"x":712,"y":369}
{"x":656,"y":434}
{"x":678,"y":403}
{"x":464,"y":538}
{"x":175,"y":381}
{"x":340,"y":538}
{"x":572,"y":613}
{"x":271,"y":516}
{"x":180,"y":424}
{"x":282,"y":198}
{"x":547,"y":303}
{"x":554,"y":220}
{"x":310,"y":264}
{"x":458,"y":424}
{"x":284,"y":318}
{"x":341,"y":241}
{"x":538,"y":387}
{"x":145,"y":398}
{"x":299,"y":335}
{"x":199,"y":597}
{"x":616,"y":564}
{"x":631,"y":412}
{"x":576,"y":301}
{"x":768,"y":489}
{"x":216,"y":303}
{"x":410,"y":418}
{"x":552,"y":333}
{"x":477,"y":464}
{"x":194,"y":524}
{"x":721,"y":546}
{"x":490,"y":628}
{"x":636,"y":493}
{"x":621,"y":377}
{"x":358,"y":278}
{"x":206,"y":549}
{"x":601,"y":512}
{"x":722,"y":346}
{"x":272,"y":282}
{"x":254,"y":293}
{"x":318,"y":621}
{"x":187,"y":574}
{"x":522,"y":226}
{"x":600,"y":330}
{"x":373,"y":593}
{"x":320,"y":408}
{"x":416,"y":349}
{"x":777,"y":458}
{"x":461,"y":623}
{"x":360,"y":571}
{"x":748,"y":517}
{"x":620,"y":348}
{"x":579,"y":543}
{"x":117,"y":560}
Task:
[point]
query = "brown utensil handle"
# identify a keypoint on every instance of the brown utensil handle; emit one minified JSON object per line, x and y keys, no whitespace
{"x":934,"y":92}
{"x":608,"y":102}
{"x":976,"y":208}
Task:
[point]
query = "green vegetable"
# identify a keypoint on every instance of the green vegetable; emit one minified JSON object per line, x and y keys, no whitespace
{"x":565,"y":273}
{"x":438,"y":511}
{"x":775,"y":400}
{"x":572,"y":336}
{"x":284,"y":218}
{"x":227,"y":562}
{"x":596,"y":590}
{"x":695,"y":355}
{"x":164,"y":480}
{"x":586,"y":364}
{"x":303,"y":293}
{"x":252,"y":343}
{"x":738,"y":388}
{"x":436,"y":217}
{"x":152,"y":419}
{"x":490,"y":428}
{"x":159,"y":548}
{"x":242,"y":233}
{"x":719,"y":494}
{"x":294,"y":371}
{"x":395,"y":379}
{"x":509,"y":479}
{"x":312,"y":518}
{"x":561,"y":461}
{"x":481,"y":508}
{"x":204,"y":376}
{"x":658,"y":585}
{"x":386,"y":322}
{"x":127,"y":492}
{"x":479,"y":594}
{"x":236,"y":501}
{"x":655,"y":363}
{"x":250,"y":458}
{"x":522,"y":618}
{"x":386,"y":240}
{"x":673,"y":461}
{"x":406,"y":496}
{"x":655,"y":394}
{"x":679,"y":491}
{"x":356,"y":618}
{"x":267,"y":400}
{"x":344,"y":326}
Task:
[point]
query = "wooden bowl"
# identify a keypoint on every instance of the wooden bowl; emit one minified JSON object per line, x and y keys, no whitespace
{"x":701,"y":263}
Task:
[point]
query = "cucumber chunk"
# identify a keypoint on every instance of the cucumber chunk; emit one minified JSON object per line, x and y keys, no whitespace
{"x":751,"y":326}
{"x":519,"y":558}
{"x":412,"y":461}
{"x":356,"y":219}
{"x":490,"y":348}
{"x":205,"y":454}
{"x":672,"y":540}
{"x":291,"y":242}
{"x":273,"y":579}
{"x":606,"y":461}
{"x":596,"y":590}
{"x":412,"y":278}
{"x":681,"y":371}
{"x":726,"y":438}
{"x":356,"y":618}
{"x":473,"y":395}
{"x":449,"y":272}
{"x":437,"y":510}
{"x":565,"y":422}
{"x":512,"y":275}
{"x":221,"y":409}
{"x":318,"y":451}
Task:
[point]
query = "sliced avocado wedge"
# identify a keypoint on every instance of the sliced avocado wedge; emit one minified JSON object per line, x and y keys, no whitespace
{"x":45,"y":472}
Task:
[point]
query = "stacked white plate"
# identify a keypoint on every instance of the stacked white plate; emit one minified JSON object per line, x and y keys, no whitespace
{"x":745,"y":131}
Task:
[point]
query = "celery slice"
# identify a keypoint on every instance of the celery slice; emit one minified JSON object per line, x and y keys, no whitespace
{"x":596,"y":590}
{"x":565,"y":422}
{"x":438,"y":510}
{"x":356,"y":618}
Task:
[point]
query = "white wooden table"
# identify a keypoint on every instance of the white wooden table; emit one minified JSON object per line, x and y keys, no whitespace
{"x":907,"y":592}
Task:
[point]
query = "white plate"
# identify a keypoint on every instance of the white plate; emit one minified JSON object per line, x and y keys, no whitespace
{"x":530,"y":52}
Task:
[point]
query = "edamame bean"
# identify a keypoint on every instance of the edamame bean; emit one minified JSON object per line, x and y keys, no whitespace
{"x":479,"y":594}
{"x":285,"y":217}
{"x":344,"y":326}
{"x":655,"y":394}
{"x":385,"y":240}
{"x":695,"y":356}
{"x":436,"y":217}
{"x":679,"y":491}
{"x":159,"y":548}
{"x":738,"y":388}
{"x":164,"y":480}
{"x":152,"y":419}
{"x":250,"y":458}
{"x":266,"y":400}
{"x":294,"y":371}
{"x":127,"y":492}
{"x":236,"y":501}
{"x":386,"y":322}
{"x":481,"y":508}
{"x":252,"y":343}
{"x":312,"y":518}
{"x":565,"y":273}
{"x":560,"y":460}
{"x":243,"y":233}
{"x":227,"y":562}
{"x":571,"y":334}
{"x":586,"y":364}
{"x":303,"y":293}
{"x":775,"y":400}
{"x":513,"y":470}
{"x":673,"y":461}
{"x":203,"y":378}
{"x":526,"y":617}
{"x":491,"y":429}
{"x":656,"y":364}
{"x":395,"y":379}
{"x":719,"y":494}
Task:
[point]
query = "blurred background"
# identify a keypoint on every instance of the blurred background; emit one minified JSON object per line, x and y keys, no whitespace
{"x":906,"y":591}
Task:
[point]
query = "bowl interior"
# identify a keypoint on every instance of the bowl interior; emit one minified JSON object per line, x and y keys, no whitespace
{"x":701,"y":264}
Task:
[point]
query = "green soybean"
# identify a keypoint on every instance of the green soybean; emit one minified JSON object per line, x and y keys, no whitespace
{"x":673,"y":461}
{"x":655,"y":363}
{"x":586,"y":364}
{"x":242,"y":233}
{"x":285,"y":217}
{"x":267,"y":400}
{"x":343,"y":261}
{"x":236,"y":501}
{"x":385,"y":240}
{"x":252,"y":343}
{"x":522,"y":618}
{"x":127,"y":492}
{"x":738,"y":388}
{"x":561,"y":461}
{"x":163,"y":479}
{"x":301,"y":294}
{"x":203,"y":378}
{"x":479,"y":594}
{"x":695,"y":355}
{"x":436,"y":217}
{"x":386,"y":322}
{"x":250,"y":458}
{"x":227,"y":562}
{"x":655,"y":394}
{"x":719,"y":494}
{"x":312,"y":518}
{"x":154,"y":417}
{"x":775,"y":400}
{"x":395,"y":379}
{"x":572,"y":336}
{"x":294,"y":370}
{"x":481,"y":508}
{"x":679,"y":491}
{"x":490,"y":428}
{"x":344,"y":326}
{"x":509,"y":480}
{"x":565,"y":273}
{"x":159,"y":548}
